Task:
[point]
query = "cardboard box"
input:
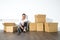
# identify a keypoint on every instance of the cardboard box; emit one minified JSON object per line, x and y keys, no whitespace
{"x":40,"y":18}
{"x":51,"y":27}
{"x":10,"y":27}
{"x":32,"y":27}
{"x":40,"y":27}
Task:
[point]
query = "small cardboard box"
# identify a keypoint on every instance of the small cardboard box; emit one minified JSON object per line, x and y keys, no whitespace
{"x":32,"y":27}
{"x":10,"y":27}
{"x":40,"y":18}
{"x":40,"y":27}
{"x":51,"y":27}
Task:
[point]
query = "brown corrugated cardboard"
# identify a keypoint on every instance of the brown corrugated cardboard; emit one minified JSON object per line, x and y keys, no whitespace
{"x":10,"y":27}
{"x":40,"y":18}
{"x":51,"y":27}
{"x":40,"y":27}
{"x":32,"y":27}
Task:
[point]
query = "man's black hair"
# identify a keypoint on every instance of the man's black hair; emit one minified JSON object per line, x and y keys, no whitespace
{"x":23,"y":14}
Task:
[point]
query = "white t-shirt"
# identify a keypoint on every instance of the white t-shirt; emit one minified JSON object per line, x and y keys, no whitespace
{"x":22,"y":21}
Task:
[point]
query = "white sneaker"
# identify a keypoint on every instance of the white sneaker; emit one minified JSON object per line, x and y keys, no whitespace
{"x":24,"y":29}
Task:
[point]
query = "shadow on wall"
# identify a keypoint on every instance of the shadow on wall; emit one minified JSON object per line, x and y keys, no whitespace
{"x":49,"y":20}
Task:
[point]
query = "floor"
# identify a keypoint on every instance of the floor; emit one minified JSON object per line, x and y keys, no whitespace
{"x":30,"y":36}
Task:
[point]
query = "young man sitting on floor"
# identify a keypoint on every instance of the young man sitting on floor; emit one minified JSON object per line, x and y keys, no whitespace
{"x":23,"y":24}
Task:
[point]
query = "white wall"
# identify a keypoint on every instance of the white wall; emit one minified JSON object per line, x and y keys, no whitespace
{"x":12,"y":9}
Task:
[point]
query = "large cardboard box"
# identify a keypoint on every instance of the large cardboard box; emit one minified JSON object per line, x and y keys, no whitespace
{"x":32,"y":27}
{"x":51,"y":27}
{"x":10,"y":27}
{"x":40,"y":18}
{"x":40,"y":27}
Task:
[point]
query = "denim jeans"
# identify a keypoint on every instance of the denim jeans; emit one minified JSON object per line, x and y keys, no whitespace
{"x":24,"y":27}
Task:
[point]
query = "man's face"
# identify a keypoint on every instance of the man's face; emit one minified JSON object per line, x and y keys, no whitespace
{"x":23,"y":16}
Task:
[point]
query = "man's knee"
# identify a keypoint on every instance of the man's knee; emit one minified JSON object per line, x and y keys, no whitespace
{"x":25,"y":23}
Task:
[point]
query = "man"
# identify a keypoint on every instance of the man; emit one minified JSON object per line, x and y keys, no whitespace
{"x":23,"y":24}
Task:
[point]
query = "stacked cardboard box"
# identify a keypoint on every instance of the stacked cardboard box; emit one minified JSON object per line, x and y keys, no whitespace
{"x":40,"y":18}
{"x":40,"y":27}
{"x":32,"y":27}
{"x":10,"y":27}
{"x":51,"y":27}
{"x":41,"y":24}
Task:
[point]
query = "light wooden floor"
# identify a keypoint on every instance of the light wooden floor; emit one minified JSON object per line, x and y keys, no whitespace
{"x":30,"y":36}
